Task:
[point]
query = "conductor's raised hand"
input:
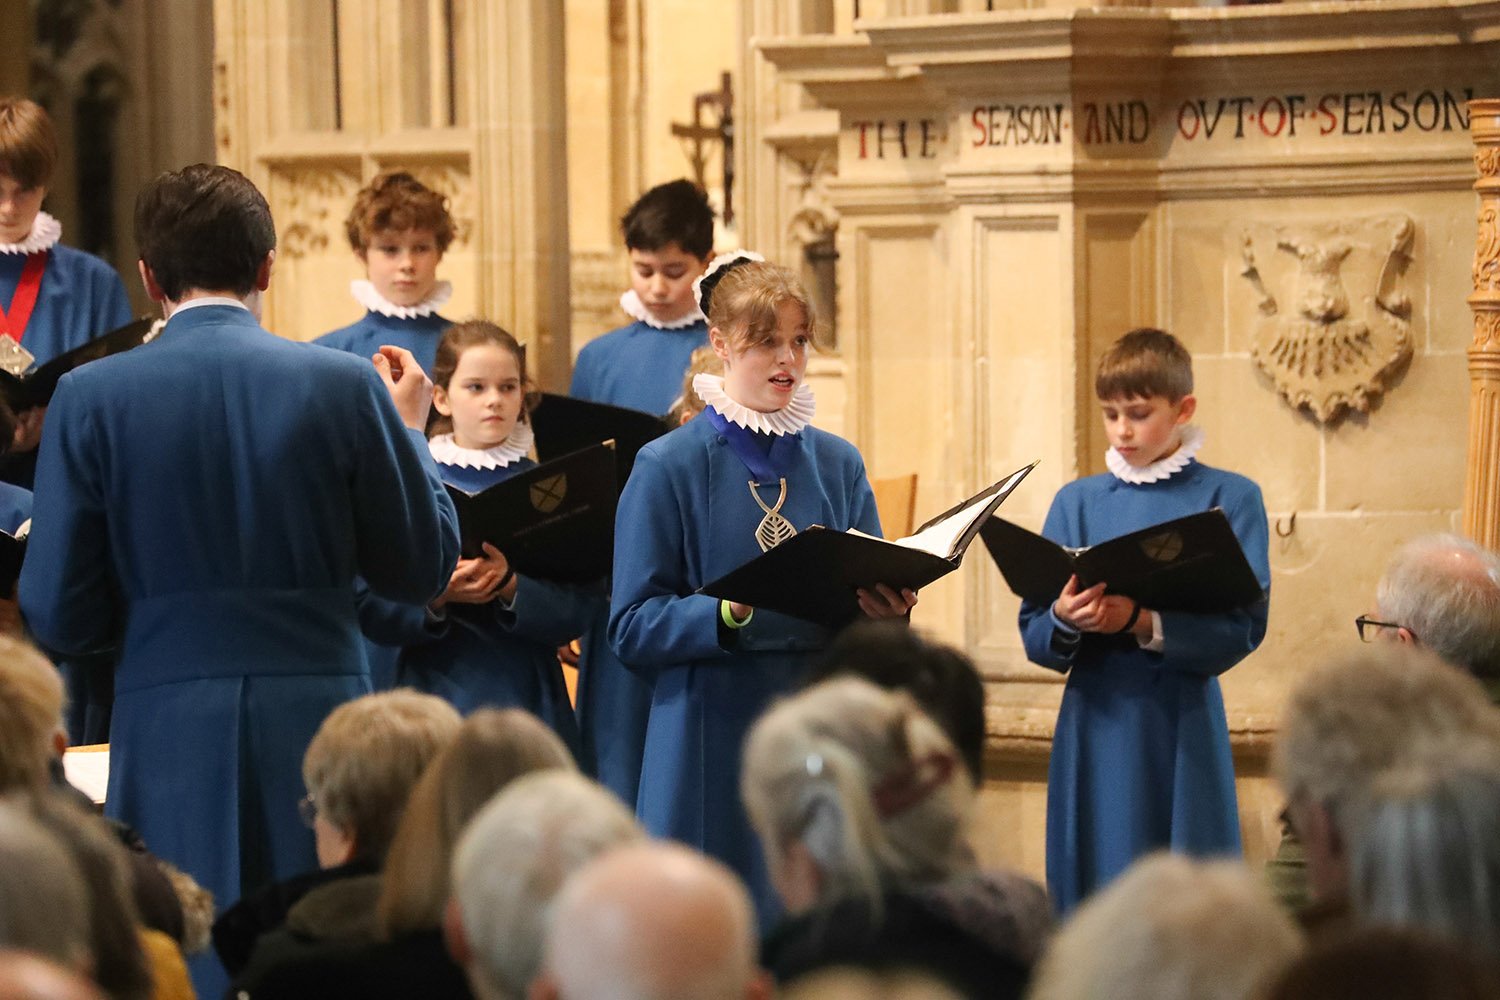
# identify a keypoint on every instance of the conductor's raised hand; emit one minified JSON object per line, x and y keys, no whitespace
{"x":881,"y":601}
{"x":408,"y":384}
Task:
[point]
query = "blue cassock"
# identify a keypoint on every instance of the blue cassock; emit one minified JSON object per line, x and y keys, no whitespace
{"x":1140,"y":757}
{"x":80,"y":298}
{"x":490,"y":656}
{"x":686,"y":518}
{"x":15,"y":507}
{"x":363,"y":338}
{"x":419,"y":335}
{"x":205,"y":502}
{"x":640,"y":367}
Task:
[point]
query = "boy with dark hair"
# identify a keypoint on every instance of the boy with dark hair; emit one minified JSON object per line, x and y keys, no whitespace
{"x":669,"y":233}
{"x":210,"y":497}
{"x":1140,"y":755}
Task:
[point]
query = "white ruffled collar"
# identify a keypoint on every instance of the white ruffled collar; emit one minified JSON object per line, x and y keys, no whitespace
{"x":790,"y":419}
{"x":45,"y":232}
{"x":365,"y":294}
{"x":1162,"y":468}
{"x":515,"y":447}
{"x":636,"y":310}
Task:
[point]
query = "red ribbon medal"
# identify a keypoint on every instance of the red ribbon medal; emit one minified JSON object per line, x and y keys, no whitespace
{"x":13,"y":321}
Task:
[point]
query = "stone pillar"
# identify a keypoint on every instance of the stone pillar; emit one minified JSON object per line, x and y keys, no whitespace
{"x":1482,"y":493}
{"x":520,"y":126}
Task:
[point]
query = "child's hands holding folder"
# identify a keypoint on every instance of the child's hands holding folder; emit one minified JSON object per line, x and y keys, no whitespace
{"x":480,"y":580}
{"x":886,"y":602}
{"x":1093,"y":610}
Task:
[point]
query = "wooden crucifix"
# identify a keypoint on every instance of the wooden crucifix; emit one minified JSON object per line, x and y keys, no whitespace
{"x":700,"y":134}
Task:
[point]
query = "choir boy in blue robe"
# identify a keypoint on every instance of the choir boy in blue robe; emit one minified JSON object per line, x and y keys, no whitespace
{"x":208,"y":500}
{"x":669,"y":234}
{"x":701,"y":501}
{"x":399,"y":229}
{"x":1140,"y":755}
{"x":490,"y":640}
{"x":55,"y":298}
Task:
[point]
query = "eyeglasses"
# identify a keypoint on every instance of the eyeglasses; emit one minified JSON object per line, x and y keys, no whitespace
{"x":1367,"y":628}
{"x":308,"y":810}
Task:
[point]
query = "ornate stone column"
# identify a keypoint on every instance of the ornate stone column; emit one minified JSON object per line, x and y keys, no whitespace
{"x":1482,"y":493}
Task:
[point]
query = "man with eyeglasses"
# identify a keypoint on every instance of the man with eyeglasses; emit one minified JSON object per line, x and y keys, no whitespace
{"x":1442,"y":592}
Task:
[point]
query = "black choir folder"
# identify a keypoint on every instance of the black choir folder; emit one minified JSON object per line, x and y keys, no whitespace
{"x":25,"y":390}
{"x":12,"y":552}
{"x":564,"y":425}
{"x":814,"y":574}
{"x":1192,"y":563}
{"x":554,"y":522}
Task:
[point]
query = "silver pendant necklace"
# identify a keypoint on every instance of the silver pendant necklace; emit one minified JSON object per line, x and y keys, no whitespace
{"x":773,"y":528}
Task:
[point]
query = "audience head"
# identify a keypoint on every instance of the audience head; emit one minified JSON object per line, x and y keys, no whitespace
{"x":362,"y":764}
{"x":492,"y":749}
{"x":120,"y":965}
{"x":31,"y":704}
{"x":1389,"y":963}
{"x":651,"y":922}
{"x":28,"y":153}
{"x":44,"y":903}
{"x":510,"y":863}
{"x":1380,"y":708}
{"x":1170,"y":928}
{"x":203,"y":228}
{"x":849,"y":983}
{"x":1428,"y":852}
{"x":1443,"y":592}
{"x":853,"y":789}
{"x":941,"y":679}
{"x":27,"y":976}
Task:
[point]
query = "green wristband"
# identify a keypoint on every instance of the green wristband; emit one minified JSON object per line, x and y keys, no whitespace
{"x":729,"y":618}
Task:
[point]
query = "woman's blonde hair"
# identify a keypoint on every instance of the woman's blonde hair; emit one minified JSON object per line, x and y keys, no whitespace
{"x":744,"y":301}
{"x":31,"y":704}
{"x":366,"y":757}
{"x":866,"y":782}
{"x":492,"y":749}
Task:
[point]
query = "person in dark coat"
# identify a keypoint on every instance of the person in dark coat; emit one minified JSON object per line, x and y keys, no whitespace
{"x":864,"y":810}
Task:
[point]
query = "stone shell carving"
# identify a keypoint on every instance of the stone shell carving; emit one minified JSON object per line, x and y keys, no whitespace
{"x":1333,"y":325}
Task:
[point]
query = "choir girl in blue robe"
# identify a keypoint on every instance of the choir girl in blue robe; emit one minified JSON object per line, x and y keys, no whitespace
{"x":55,"y":298}
{"x":209,"y":499}
{"x":669,"y":235}
{"x":701,"y":501}
{"x":490,"y":640}
{"x":1140,"y":755}
{"x":400,"y":229}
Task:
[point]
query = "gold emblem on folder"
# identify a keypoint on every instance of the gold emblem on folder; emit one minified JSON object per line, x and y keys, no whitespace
{"x":547,"y":495}
{"x":1165,"y":547}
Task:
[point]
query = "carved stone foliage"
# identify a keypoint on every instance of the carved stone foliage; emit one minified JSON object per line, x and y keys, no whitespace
{"x":316,"y":199}
{"x":1333,"y":324}
{"x":815,"y":219}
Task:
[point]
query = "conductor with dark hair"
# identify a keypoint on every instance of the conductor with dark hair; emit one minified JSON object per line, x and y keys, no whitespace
{"x":204,"y":504}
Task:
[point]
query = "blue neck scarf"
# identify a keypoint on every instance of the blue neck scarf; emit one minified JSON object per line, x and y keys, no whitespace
{"x":767,"y":456}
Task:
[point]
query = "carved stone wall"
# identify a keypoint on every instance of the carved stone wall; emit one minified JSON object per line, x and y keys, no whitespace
{"x":1287,"y":189}
{"x":1482,"y":489}
{"x":308,"y":105}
